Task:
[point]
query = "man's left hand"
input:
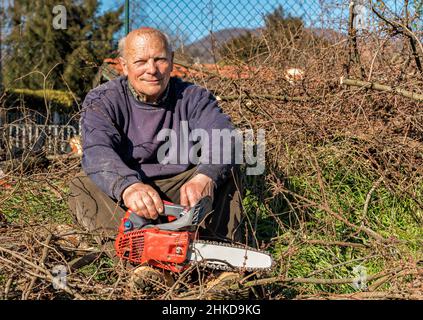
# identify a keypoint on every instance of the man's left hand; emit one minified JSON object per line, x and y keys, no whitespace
{"x":196,"y":188}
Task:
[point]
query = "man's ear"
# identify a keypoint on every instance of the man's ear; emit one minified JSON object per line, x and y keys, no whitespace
{"x":124,"y":65}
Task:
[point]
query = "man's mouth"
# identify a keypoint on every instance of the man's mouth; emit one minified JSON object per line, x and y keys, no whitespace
{"x":152,"y":81}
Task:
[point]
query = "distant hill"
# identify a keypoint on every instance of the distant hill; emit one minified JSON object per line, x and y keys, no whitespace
{"x":203,"y":48}
{"x":328,"y":34}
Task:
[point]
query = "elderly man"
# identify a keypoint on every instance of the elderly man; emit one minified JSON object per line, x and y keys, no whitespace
{"x":122,"y":133}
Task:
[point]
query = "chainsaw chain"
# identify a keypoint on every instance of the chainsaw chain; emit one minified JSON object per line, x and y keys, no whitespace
{"x":216,"y":266}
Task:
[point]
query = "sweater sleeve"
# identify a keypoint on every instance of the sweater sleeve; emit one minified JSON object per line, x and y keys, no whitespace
{"x":101,"y":139}
{"x":217,"y":155}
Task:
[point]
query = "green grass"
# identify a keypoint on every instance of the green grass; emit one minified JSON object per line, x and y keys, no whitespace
{"x":345,"y":178}
{"x":35,"y":201}
{"x":100,"y":271}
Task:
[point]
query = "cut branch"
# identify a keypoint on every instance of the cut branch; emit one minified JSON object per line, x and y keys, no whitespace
{"x":41,"y":269}
{"x":381,"y":87}
{"x":264,"y":96}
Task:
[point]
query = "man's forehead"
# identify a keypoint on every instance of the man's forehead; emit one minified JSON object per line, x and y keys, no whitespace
{"x":143,"y":43}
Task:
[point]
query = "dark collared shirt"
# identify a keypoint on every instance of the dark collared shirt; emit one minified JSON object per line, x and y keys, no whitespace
{"x":140,"y":97}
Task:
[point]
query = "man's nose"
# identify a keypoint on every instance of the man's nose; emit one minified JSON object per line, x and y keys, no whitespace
{"x":151,"y":66}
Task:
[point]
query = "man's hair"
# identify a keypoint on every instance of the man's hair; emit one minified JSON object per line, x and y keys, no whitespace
{"x":146,"y":31}
{"x":121,"y":46}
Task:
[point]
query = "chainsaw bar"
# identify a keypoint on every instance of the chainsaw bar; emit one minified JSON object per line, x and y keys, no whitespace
{"x":222,"y":256}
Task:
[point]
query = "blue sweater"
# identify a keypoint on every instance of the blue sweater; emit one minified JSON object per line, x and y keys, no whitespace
{"x":120,"y":134}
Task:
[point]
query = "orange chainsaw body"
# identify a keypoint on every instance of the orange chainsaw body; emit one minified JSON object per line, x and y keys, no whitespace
{"x":160,"y":248}
{"x":165,"y":245}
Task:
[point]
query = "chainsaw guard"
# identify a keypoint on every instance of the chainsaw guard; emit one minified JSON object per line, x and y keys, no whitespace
{"x":160,"y":248}
{"x":166,"y":245}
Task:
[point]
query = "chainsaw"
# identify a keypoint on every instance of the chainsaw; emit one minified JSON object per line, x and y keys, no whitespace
{"x":175,"y":245}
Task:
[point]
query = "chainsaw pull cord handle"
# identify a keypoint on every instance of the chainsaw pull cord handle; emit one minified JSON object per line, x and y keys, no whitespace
{"x":133,"y":221}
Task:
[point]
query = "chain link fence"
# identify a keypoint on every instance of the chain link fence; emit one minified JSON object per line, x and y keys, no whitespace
{"x":198,"y":28}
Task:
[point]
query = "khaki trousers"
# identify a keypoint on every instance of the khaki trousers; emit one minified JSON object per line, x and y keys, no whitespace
{"x":98,"y":213}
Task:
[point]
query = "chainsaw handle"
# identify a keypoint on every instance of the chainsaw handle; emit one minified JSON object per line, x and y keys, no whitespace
{"x":186,"y":218}
{"x":174,"y":210}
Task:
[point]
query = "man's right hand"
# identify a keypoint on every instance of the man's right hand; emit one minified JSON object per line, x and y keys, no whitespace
{"x":143,"y":199}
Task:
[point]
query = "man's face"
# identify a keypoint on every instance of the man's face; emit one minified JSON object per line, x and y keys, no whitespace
{"x":148,"y":65}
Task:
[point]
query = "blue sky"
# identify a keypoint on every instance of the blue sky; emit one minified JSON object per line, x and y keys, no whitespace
{"x":193,"y":19}
{"x":190,"y":20}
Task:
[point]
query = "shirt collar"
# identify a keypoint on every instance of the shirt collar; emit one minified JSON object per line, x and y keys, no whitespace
{"x":140,"y":97}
